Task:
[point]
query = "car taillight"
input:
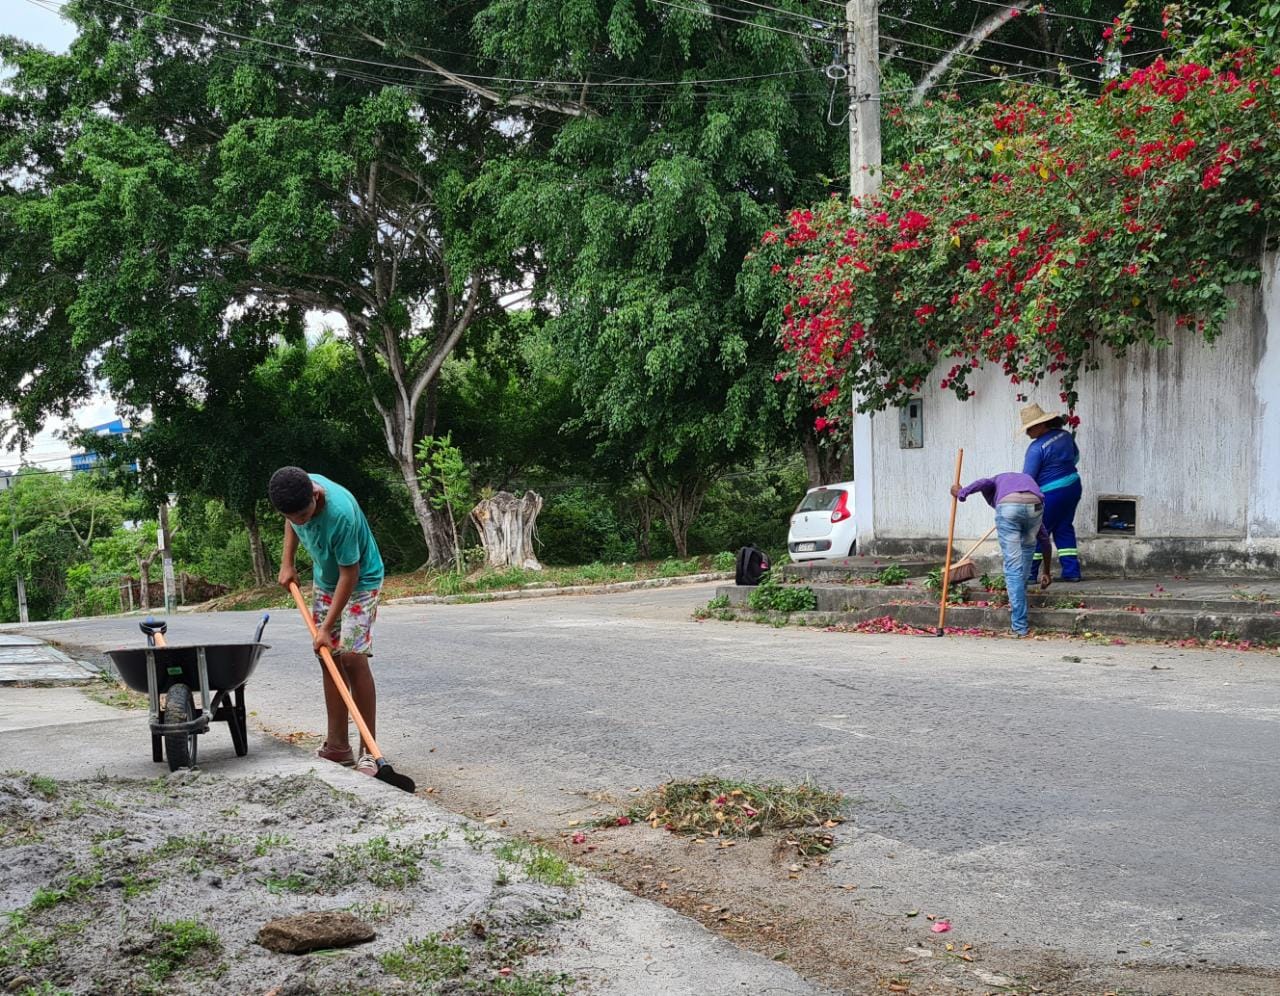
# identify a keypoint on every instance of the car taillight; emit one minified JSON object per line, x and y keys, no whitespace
{"x":841,"y":511}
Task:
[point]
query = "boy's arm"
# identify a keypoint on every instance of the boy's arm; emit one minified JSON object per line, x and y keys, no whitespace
{"x":288,"y":573}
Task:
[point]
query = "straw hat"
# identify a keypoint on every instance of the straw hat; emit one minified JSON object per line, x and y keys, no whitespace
{"x":1034,"y":415}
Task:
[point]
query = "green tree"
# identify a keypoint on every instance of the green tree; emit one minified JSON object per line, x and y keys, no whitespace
{"x":641,"y":210}
{"x":59,"y":521}
{"x":187,"y":182}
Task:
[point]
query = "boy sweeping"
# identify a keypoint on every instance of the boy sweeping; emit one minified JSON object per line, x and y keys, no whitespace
{"x":328,"y":521}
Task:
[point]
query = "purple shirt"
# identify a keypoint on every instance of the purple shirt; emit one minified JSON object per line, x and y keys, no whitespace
{"x":996,"y":489}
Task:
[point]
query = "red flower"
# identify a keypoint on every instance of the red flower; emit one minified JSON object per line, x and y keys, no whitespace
{"x":1212,"y":178}
{"x":973,"y":266}
{"x":624,"y":821}
{"x":1183,"y":149}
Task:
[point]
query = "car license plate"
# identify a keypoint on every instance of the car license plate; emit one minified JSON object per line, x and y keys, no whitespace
{"x":806,"y":547}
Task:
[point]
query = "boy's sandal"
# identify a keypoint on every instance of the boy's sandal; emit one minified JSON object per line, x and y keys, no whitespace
{"x":339,"y":755}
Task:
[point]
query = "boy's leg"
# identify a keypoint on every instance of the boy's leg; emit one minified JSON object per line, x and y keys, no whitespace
{"x":1009,"y":533}
{"x":336,"y":742}
{"x":356,"y":647}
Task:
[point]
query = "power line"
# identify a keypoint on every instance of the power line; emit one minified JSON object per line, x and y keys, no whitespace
{"x":991,"y":40}
{"x":1072,"y":17}
{"x":308,"y":50}
{"x":998,"y":62}
{"x":710,"y":12}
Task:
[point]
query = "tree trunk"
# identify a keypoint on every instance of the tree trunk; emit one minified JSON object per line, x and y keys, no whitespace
{"x":257,"y":551}
{"x":967,"y":44}
{"x":505,"y":524}
{"x":144,"y":578}
{"x":680,"y":502}
{"x":823,"y":464}
{"x":644,"y":526}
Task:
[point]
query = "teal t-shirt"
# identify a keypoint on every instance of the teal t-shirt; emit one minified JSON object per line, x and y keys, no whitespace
{"x":339,"y":536}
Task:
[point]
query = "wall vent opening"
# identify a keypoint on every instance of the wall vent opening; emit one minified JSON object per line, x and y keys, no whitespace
{"x":1117,"y":516}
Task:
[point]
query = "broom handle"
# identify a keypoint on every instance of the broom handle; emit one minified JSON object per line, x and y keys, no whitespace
{"x":969,"y":552}
{"x":951,"y":535}
{"x":367,"y":743}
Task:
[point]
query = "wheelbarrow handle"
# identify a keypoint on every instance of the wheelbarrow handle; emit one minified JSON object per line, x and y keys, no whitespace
{"x":155,"y":631}
{"x":257,"y":636}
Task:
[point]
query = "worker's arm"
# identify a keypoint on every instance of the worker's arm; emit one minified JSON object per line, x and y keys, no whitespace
{"x":981,"y":484}
{"x":288,"y":573}
{"x":1045,"y":547}
{"x":1031,"y":462}
{"x":347,"y":578}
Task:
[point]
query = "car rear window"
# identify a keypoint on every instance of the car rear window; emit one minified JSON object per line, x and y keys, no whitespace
{"x":822,"y":500}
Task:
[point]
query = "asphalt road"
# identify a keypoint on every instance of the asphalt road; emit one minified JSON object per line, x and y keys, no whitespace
{"x":1122,"y":807}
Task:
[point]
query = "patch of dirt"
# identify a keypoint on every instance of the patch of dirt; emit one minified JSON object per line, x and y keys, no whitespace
{"x":765,"y":895}
{"x":147,"y":887}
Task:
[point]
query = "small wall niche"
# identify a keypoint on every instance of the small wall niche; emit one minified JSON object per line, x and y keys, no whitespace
{"x":1117,"y":516}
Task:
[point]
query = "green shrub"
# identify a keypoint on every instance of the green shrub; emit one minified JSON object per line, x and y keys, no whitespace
{"x":724,"y":561}
{"x":892,"y":575}
{"x":770,"y":596}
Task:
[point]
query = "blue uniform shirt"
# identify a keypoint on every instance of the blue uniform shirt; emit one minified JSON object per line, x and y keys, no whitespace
{"x":1051,"y":460}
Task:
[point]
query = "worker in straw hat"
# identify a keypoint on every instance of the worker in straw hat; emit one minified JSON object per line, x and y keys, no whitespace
{"x":1051,"y":461}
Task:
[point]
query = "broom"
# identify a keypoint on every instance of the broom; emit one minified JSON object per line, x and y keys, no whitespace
{"x":385,"y":772}
{"x":965,"y":569}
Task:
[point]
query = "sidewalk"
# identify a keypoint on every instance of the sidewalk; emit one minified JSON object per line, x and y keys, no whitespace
{"x":25,"y":659}
{"x":277,"y":833}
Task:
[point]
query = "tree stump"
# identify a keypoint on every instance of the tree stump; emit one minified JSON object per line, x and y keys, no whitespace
{"x":505,"y":524}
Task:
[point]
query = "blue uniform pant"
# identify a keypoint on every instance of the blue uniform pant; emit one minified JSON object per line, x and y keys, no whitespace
{"x":1059,"y":519}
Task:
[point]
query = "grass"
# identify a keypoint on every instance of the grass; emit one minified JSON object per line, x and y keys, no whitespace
{"x":427,"y":961}
{"x":268,"y":843}
{"x":47,"y":787}
{"x":386,"y":863}
{"x":110,"y":692}
{"x":179,"y":943}
{"x":725,"y":807}
{"x":77,"y":886}
{"x":718,"y":608}
{"x":538,"y":864}
{"x":770,"y":595}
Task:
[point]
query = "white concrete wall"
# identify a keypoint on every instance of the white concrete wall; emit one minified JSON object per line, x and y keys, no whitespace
{"x":1191,"y":431}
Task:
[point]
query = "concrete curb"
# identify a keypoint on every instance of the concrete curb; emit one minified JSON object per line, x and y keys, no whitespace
{"x":580,"y":589}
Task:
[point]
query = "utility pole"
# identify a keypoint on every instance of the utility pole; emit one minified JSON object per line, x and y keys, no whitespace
{"x":862,"y":33}
{"x":167,"y":551}
{"x":862,"y":28}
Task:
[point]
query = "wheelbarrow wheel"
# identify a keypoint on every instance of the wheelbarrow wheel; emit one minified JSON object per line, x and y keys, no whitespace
{"x":179,"y":748}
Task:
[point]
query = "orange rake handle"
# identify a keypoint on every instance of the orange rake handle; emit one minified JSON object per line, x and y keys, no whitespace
{"x":366,"y":738}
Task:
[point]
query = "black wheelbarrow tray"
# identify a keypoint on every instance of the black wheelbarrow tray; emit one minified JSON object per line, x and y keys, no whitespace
{"x":218,"y":671}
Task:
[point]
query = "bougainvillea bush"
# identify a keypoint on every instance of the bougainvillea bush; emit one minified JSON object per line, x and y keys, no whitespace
{"x":1040,"y":231}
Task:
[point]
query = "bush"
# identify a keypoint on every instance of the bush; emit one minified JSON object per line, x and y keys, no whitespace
{"x":891,"y":575}
{"x":770,"y":596}
{"x":725,"y":561}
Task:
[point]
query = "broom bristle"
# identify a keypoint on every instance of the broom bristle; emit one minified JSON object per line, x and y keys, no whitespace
{"x":966,"y":570}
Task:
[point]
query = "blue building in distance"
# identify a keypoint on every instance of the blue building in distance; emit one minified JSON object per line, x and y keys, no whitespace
{"x":85,"y":461}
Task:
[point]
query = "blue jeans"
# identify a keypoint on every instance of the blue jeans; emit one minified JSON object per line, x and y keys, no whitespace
{"x":1016,"y":527}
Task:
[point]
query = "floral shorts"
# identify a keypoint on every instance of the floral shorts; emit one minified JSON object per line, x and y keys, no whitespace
{"x":356,"y":633}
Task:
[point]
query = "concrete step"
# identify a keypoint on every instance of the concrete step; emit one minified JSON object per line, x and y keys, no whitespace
{"x":1161,"y":619}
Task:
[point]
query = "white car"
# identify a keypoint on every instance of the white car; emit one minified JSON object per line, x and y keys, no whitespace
{"x":822,"y":525}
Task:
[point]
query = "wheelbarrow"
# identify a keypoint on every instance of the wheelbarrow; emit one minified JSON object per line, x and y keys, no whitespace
{"x":218,"y":671}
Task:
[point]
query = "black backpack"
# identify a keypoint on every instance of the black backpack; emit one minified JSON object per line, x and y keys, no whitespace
{"x":752,"y":565}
